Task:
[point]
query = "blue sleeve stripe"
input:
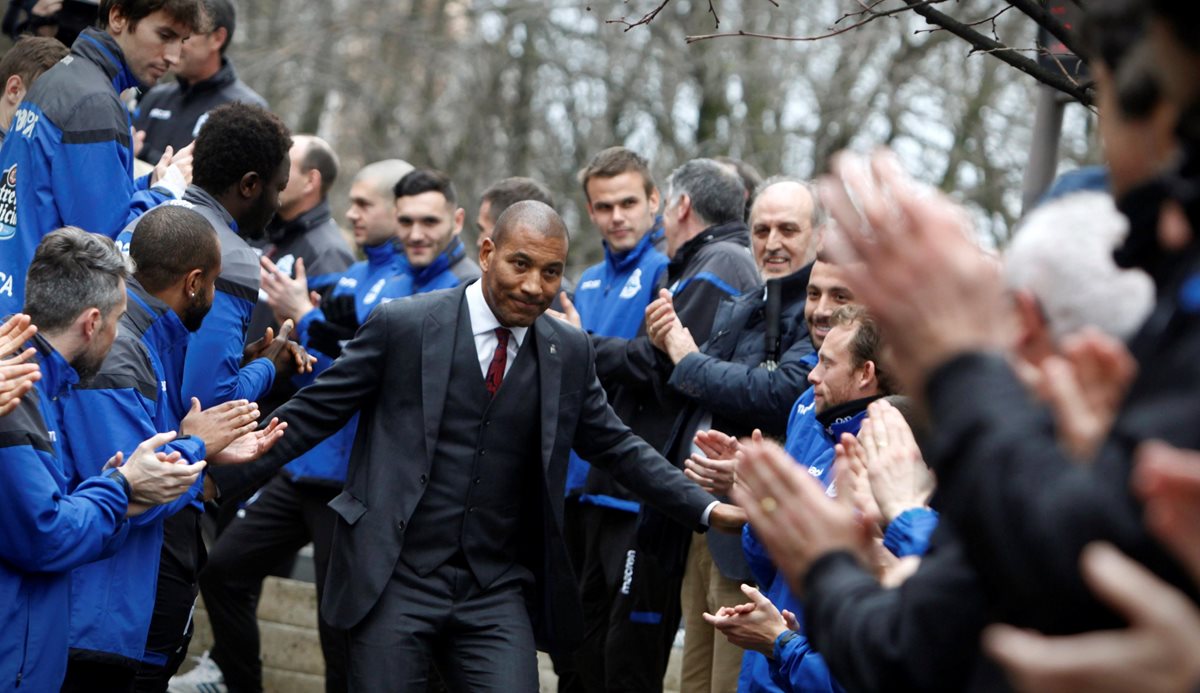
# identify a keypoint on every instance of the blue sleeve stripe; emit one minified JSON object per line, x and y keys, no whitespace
{"x":711,"y":279}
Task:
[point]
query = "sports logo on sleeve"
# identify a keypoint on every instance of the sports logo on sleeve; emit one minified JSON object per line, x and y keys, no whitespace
{"x":8,"y":203}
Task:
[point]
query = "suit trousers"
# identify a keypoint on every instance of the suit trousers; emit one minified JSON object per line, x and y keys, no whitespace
{"x":283,"y":518}
{"x":480,"y":639}
{"x":711,"y":663}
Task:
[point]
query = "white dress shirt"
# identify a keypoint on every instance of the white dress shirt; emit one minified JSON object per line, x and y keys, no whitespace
{"x":483,"y":326}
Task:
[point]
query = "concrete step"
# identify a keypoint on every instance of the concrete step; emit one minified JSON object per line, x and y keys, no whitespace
{"x":291,"y":648}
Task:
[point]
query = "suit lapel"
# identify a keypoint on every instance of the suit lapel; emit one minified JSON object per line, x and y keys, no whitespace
{"x":437,"y":353}
{"x":550,"y":375}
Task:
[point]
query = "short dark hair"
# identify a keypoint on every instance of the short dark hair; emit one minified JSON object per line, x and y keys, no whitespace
{"x":187,"y":12}
{"x":73,"y":271}
{"x":237,"y":139}
{"x":170,"y":241}
{"x":751,"y":179}
{"x":867,"y":343}
{"x":613,"y":162}
{"x":717,"y":194}
{"x":320,"y":156}
{"x":30,"y":56}
{"x":505,"y":193}
{"x":221,"y":15}
{"x":1111,"y":31}
{"x":423,"y":180}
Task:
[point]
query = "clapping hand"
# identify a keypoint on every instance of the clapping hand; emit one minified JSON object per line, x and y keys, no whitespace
{"x":568,"y":314}
{"x":755,"y":625}
{"x":288,"y":297}
{"x":18,"y":371}
{"x":899,"y":478}
{"x":715,"y":467}
{"x":791,"y":514}
{"x":156,"y":477}
{"x":665,"y":331}
{"x":220,"y":425}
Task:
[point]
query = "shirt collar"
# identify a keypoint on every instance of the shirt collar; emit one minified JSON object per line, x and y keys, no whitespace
{"x":483,"y":319}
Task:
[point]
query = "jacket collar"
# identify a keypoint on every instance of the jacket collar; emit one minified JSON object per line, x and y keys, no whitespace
{"x":733,"y":231}
{"x":158,"y":323}
{"x":380,"y":255}
{"x":619,"y":263}
{"x":279,"y":231}
{"x":845,"y":417}
{"x":57,"y":375}
{"x":199,"y":196}
{"x":794,"y":286}
{"x":442,"y":263}
{"x":101,"y":48}
{"x":223,"y":78}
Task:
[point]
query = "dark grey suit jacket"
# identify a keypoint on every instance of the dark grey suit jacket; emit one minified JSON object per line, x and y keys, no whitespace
{"x":395,"y":372}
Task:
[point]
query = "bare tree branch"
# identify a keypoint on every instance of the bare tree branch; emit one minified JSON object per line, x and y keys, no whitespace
{"x":1038,"y":13}
{"x":982,"y":43}
{"x":850,"y":27}
{"x":646,"y":18}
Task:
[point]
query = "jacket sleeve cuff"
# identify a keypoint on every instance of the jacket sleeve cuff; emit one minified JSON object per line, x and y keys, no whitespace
{"x":908,"y":534}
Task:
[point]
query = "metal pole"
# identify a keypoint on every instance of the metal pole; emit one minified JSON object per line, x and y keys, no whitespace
{"x":1043,"y":152}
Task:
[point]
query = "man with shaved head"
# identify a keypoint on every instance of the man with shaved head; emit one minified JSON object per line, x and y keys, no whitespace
{"x":448,"y":538}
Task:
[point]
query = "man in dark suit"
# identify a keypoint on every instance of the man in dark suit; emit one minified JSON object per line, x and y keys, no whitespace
{"x":448,"y":545}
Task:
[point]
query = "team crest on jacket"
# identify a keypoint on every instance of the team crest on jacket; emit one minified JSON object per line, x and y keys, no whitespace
{"x":633,"y":285}
{"x":8,"y":204}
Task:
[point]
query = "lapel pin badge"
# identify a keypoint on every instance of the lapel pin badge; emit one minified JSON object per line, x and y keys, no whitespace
{"x":553,"y":348}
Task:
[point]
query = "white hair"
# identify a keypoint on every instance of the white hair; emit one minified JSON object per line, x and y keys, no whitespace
{"x":1062,"y":254}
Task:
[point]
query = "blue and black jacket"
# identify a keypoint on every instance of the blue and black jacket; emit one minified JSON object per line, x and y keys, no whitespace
{"x":67,"y":159}
{"x":714,"y":265}
{"x":46,"y":530}
{"x":810,"y":441}
{"x":214,"y":373}
{"x":365,"y":282}
{"x":449,"y":269}
{"x":133,"y":397}
{"x":611,"y":299}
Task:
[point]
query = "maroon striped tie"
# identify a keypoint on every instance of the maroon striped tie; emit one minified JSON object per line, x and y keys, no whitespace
{"x":495,"y":372}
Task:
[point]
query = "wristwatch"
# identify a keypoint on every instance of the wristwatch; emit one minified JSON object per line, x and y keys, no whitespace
{"x":117,"y":476}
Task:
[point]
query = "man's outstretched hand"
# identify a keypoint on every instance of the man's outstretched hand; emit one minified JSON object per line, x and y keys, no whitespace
{"x":251,"y":446}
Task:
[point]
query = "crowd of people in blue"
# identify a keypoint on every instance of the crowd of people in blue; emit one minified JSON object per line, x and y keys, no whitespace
{"x":814,"y":423}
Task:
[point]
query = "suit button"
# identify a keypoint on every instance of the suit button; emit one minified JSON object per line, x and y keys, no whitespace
{"x":423,"y":479}
{"x":400,"y":525}
{"x":487,"y":423}
{"x":471,"y":510}
{"x":482,"y":453}
{"x":477,"y":480}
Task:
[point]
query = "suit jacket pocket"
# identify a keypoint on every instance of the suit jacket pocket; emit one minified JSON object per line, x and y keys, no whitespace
{"x":348,"y":507}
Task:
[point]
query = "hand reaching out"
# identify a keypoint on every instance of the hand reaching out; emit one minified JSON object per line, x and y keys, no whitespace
{"x":220,"y":425}
{"x":251,"y":446}
{"x":716,"y":469}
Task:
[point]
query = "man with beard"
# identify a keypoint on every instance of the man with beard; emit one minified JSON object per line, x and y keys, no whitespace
{"x":240,"y":168}
{"x":76,"y":297}
{"x":134,"y":395}
{"x":431,"y":224}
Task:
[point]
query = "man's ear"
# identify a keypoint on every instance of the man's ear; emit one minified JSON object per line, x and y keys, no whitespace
{"x":221,"y":35}
{"x":868,"y":376}
{"x":193,"y":283}
{"x":117,"y":22}
{"x":250,"y":184}
{"x":14,"y":90}
{"x":684,"y":207}
{"x":1030,"y":321}
{"x":654,"y":199}
{"x":460,"y":216}
{"x":486,"y":252}
{"x":89,"y":323}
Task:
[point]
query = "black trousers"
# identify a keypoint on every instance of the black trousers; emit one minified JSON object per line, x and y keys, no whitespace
{"x":479,"y":639}
{"x":170,"y":633}
{"x":631,"y":607}
{"x":283,"y":518}
{"x":85,"y":675}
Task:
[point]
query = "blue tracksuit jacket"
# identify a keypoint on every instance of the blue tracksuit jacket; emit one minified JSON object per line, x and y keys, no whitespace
{"x":133,"y":397}
{"x":214,"y":372}
{"x":796,"y":667}
{"x":611,"y":299}
{"x":367,"y":280}
{"x":46,"y":530}
{"x":67,"y":159}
